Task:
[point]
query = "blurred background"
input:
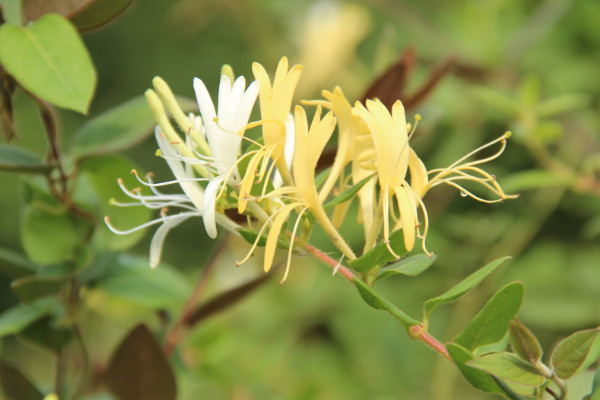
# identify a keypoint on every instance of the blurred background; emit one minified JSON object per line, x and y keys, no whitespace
{"x":479,"y":68}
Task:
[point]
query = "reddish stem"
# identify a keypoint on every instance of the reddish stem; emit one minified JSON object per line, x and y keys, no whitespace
{"x":417,"y":332}
{"x":345,"y":272}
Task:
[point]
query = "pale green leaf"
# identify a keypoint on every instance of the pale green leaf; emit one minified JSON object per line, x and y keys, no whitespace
{"x":524,"y":343}
{"x":508,"y":367}
{"x":491,"y":323}
{"x":49,"y":59}
{"x":410,"y":266}
{"x":576,"y":352}
{"x":462,"y":287}
{"x":380,"y":254}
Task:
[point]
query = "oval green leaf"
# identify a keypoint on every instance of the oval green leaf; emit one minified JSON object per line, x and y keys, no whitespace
{"x":524,"y":343}
{"x":508,"y":367}
{"x":118,"y":128}
{"x":380,"y":254}
{"x":13,"y":159}
{"x":462,"y":287}
{"x":49,"y":234}
{"x":49,"y":59}
{"x":410,"y":266}
{"x":576,"y":352}
{"x":491,"y":323}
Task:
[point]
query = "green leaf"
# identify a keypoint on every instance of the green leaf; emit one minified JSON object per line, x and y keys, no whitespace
{"x":509,"y":367}
{"x":560,"y":104}
{"x":250,"y":235}
{"x":411,"y":266}
{"x":15,"y":385}
{"x":46,"y":333}
{"x":118,"y":128}
{"x":49,"y":59}
{"x":479,"y":379}
{"x":20,"y":316}
{"x":380,"y":254}
{"x":347,"y":194}
{"x":491,"y":323}
{"x":13,"y":159}
{"x":524,"y":343}
{"x":462,"y":287}
{"x":14,"y":264}
{"x":98,"y":13}
{"x":139,"y":370}
{"x":576,"y":352}
{"x":50,"y":234}
{"x":375,"y":300}
{"x":102,"y":174}
{"x":30,"y":288}
{"x":133,"y":281}
{"x":533,"y":179}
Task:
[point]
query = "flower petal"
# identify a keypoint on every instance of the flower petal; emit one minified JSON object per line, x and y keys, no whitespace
{"x":210,"y":200}
{"x":156,"y":246}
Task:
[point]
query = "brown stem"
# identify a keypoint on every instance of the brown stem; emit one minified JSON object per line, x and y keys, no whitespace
{"x":176,"y":332}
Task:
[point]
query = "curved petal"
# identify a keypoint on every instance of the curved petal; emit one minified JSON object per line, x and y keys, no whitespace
{"x":210,"y":200}
{"x":156,"y":246}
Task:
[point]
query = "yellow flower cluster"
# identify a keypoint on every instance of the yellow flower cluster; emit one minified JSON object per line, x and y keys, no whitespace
{"x":273,"y":179}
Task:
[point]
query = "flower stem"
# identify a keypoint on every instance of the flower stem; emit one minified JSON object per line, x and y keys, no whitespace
{"x":416,"y":331}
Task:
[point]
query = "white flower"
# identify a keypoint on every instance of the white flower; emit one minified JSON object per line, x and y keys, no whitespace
{"x":190,"y":202}
{"x":224,"y":132}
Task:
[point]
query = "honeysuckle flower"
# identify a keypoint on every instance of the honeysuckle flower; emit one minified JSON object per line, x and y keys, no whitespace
{"x":275,"y":103}
{"x":390,"y":139}
{"x":303,"y":195}
{"x":224,"y":131}
{"x":351,"y":130}
{"x":190,"y":202}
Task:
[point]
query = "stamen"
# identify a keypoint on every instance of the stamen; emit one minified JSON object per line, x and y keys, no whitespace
{"x":289,"y":258}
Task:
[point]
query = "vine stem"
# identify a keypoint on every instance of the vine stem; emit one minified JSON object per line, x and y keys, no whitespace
{"x":416,"y":331}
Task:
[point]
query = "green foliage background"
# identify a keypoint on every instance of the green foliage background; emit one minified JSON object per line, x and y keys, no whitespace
{"x":529,"y":67}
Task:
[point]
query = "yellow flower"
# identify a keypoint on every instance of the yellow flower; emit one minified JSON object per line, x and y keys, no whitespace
{"x":277,"y":127}
{"x":392,"y":153}
{"x":303,"y":196}
{"x":353,"y":141}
